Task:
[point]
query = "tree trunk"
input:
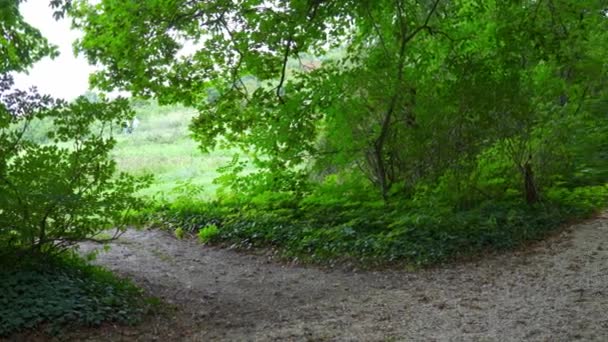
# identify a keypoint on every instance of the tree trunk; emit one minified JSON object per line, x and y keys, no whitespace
{"x":531,"y":190}
{"x":381,"y":171}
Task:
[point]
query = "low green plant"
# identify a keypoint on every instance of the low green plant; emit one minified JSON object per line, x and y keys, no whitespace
{"x":63,"y":291}
{"x":422,"y":230}
{"x":208,"y":233}
{"x":179,"y":233}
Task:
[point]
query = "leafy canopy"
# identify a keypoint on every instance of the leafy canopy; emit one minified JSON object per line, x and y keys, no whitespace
{"x":405,"y":92}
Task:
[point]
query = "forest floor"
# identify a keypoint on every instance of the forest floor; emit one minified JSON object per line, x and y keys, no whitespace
{"x":555,"y":290}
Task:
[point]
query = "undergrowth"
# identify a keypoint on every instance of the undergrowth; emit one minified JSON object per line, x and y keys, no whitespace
{"x":63,"y":291}
{"x":420,"y":233}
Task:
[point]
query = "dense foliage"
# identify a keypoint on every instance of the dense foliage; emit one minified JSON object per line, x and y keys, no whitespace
{"x":64,"y":292}
{"x":322,"y":228}
{"x":21,"y":44}
{"x":62,"y":189}
{"x":54,"y":195}
{"x":422,"y":89}
{"x":58,"y":186}
{"x":430,"y":126}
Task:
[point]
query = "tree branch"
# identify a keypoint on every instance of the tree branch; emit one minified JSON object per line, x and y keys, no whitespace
{"x":284,"y":67}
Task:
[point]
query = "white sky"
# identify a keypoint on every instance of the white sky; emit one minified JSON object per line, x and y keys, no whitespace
{"x":65,"y":76}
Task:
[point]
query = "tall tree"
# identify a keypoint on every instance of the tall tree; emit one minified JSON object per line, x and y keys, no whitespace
{"x":418,"y":88}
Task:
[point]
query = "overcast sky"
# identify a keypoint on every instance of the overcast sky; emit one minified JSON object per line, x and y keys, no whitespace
{"x":65,"y":76}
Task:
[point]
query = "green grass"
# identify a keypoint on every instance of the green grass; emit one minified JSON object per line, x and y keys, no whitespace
{"x":162,"y":146}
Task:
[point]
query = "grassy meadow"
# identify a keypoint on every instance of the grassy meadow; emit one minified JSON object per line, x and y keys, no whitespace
{"x":161,"y":146}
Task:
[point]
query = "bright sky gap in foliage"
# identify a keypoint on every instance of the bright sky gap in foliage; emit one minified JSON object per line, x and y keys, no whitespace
{"x":65,"y":76}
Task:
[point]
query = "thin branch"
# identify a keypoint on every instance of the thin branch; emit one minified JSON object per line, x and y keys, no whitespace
{"x":377,"y":29}
{"x":117,"y":234}
{"x":235,"y":72}
{"x":284,"y":67}
{"x":425,"y":25}
{"x":400,"y":66}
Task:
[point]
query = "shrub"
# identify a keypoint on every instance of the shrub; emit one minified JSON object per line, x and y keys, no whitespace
{"x":63,"y":291}
{"x":54,"y":195}
{"x":207,"y":234}
{"x":421,"y":231}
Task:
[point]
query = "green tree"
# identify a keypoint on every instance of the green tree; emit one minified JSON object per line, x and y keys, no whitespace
{"x":423,"y":89}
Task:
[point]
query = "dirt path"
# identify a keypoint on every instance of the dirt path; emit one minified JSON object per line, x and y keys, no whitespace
{"x":557,"y":291}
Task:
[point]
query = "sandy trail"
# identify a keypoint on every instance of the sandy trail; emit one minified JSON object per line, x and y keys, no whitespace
{"x":555,"y":291}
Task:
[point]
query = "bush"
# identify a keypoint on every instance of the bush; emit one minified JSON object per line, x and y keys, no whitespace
{"x":420,"y":231}
{"x":63,"y":291}
{"x":208,"y":233}
{"x":344,"y":218}
{"x":54,"y":195}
